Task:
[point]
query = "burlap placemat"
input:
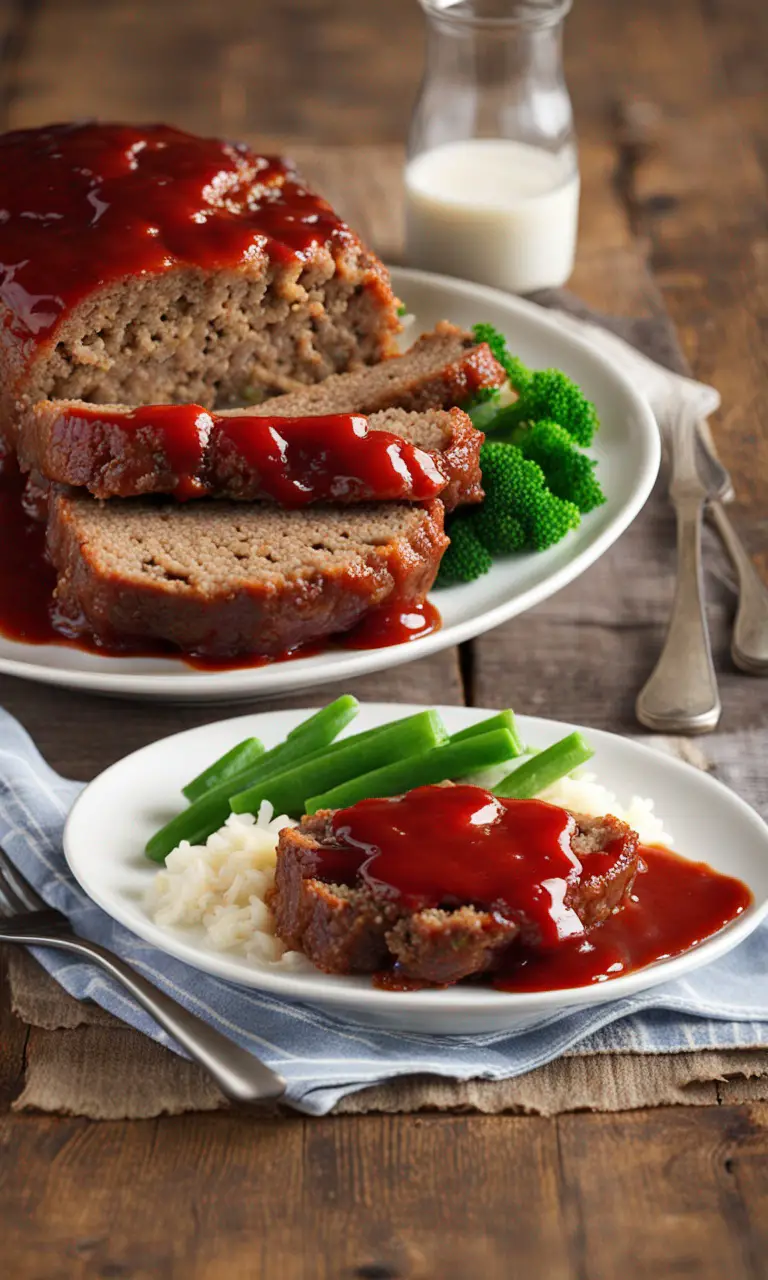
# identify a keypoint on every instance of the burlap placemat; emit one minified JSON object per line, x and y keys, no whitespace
{"x":83,"y":1062}
{"x":86,"y":1063}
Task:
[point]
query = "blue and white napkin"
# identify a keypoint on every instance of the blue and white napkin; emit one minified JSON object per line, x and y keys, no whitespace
{"x":723,"y":1006}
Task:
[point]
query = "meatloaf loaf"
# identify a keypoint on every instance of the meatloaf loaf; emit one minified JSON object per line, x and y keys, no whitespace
{"x":220,"y":579}
{"x":115,"y":451}
{"x":142,"y":264}
{"x":353,"y":929}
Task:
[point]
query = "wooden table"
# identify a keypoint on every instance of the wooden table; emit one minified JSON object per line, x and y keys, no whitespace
{"x":672,"y":110}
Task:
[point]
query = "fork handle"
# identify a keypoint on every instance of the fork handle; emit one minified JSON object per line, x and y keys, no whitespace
{"x":749,"y":647}
{"x":239,"y":1075}
{"x":681,"y":695}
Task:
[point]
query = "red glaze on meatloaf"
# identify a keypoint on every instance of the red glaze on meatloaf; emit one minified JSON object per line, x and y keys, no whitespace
{"x":141,"y":264}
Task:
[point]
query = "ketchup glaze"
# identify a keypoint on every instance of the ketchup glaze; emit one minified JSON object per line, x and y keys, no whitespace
{"x":328,"y":458}
{"x":447,"y":846}
{"x":292,"y":461}
{"x":452,"y":845}
{"x":85,"y":204}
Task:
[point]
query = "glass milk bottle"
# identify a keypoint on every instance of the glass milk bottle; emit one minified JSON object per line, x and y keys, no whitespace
{"x":492,"y":177}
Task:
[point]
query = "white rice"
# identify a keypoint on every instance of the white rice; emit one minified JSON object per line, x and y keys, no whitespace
{"x":222,"y":885}
{"x":585,"y":794}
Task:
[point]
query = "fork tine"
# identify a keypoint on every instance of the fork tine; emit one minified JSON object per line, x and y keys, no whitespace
{"x":17,"y":890}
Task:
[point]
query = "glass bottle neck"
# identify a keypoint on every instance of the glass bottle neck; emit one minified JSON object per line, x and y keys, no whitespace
{"x":493,"y":79}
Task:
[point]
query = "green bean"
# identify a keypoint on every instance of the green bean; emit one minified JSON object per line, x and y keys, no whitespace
{"x":504,"y":720}
{"x":548,"y":766}
{"x":229,"y":765}
{"x":314,"y":733}
{"x":322,"y":727}
{"x":288,"y":791}
{"x":451,"y":760}
{"x":210,"y":810}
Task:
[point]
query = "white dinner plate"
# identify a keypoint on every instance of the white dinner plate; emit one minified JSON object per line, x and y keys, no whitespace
{"x":628,"y":450}
{"x":112,"y":819}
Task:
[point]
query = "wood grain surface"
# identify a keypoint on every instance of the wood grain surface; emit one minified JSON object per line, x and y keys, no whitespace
{"x":670,"y":98}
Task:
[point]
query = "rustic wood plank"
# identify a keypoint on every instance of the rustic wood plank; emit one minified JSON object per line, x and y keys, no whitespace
{"x":303,"y":69}
{"x":636,"y":1195}
{"x":375,"y":1197}
{"x":15,"y":22}
{"x":691,"y":171}
{"x":654,"y":1193}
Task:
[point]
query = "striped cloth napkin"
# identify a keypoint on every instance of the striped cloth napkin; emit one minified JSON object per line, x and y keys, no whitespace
{"x":723,"y":1006}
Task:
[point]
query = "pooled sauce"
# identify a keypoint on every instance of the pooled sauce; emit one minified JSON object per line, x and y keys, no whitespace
{"x":393,"y":624}
{"x":446,"y":846}
{"x":125,"y":200}
{"x":27,"y":610}
{"x":27,"y":579}
{"x":675,"y":905}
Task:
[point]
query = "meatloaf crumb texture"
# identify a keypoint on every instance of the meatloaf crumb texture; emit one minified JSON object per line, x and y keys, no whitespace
{"x":442,"y":368}
{"x":222,"y":579}
{"x":354,"y":930}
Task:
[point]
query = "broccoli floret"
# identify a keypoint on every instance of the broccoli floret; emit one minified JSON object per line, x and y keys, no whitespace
{"x":466,"y":557}
{"x":550,"y":395}
{"x":519,"y":511}
{"x":569,"y":473}
{"x":519,"y":514}
{"x":547,"y":393}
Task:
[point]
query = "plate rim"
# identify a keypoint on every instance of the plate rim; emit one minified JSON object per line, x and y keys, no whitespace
{"x":451,"y":1001}
{"x":290,"y":677}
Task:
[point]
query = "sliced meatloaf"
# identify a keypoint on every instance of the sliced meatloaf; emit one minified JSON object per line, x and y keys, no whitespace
{"x":221,"y":579}
{"x":346,"y":928}
{"x":142,"y":264}
{"x":116,"y":451}
{"x":442,"y":368}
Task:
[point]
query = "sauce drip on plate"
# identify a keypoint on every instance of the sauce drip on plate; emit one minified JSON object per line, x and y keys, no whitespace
{"x":675,"y":905}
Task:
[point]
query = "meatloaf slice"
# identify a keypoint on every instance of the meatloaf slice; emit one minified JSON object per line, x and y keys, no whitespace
{"x":117,"y":451}
{"x":444,"y":367}
{"x":341,"y":929}
{"x":221,"y":579}
{"x":432,"y":945}
{"x":142,"y":264}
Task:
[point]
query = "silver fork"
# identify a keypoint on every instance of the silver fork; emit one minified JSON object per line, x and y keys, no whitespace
{"x":25,"y":918}
{"x":749,"y":642}
{"x":681,"y":695}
